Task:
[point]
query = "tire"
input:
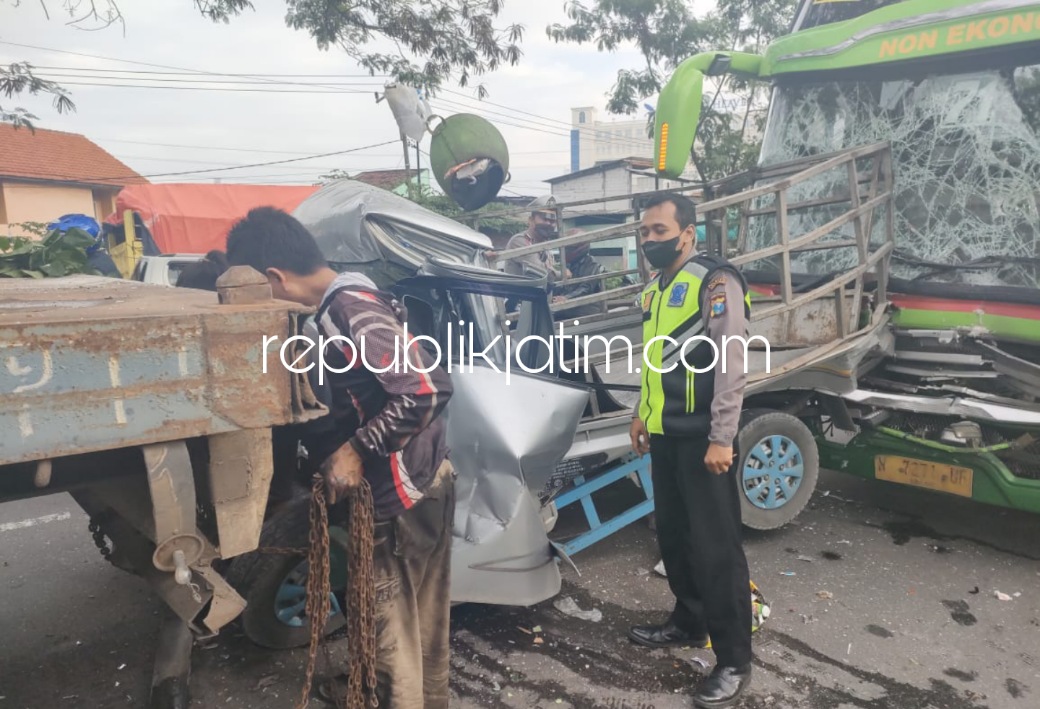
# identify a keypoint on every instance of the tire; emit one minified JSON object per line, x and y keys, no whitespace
{"x":259,"y":577}
{"x":771,"y":442}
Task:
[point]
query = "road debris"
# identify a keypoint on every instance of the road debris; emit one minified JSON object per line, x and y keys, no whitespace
{"x":824,"y":595}
{"x":568,"y":606}
{"x":266,"y":681}
{"x":1001,"y":596}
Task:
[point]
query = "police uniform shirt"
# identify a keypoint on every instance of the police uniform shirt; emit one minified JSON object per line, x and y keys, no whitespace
{"x":723,"y":309}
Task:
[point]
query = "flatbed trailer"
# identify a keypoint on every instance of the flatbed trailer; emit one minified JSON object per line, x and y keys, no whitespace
{"x":152,"y":407}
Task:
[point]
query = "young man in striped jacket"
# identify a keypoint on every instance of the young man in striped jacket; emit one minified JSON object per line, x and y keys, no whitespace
{"x":394,"y":436}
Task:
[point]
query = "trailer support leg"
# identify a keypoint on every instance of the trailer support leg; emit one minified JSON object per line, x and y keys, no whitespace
{"x":172,"y":672}
{"x":582,"y":494}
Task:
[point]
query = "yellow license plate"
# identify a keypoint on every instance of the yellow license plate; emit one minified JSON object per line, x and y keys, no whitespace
{"x":924,"y":473}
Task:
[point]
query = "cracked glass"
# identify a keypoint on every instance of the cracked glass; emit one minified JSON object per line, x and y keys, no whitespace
{"x":966,"y":157}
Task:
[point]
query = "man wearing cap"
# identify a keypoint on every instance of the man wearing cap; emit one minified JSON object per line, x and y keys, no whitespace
{"x":541,"y":228}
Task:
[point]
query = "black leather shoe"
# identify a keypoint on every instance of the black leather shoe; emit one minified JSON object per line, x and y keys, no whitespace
{"x":723,"y":687}
{"x":667,"y":635}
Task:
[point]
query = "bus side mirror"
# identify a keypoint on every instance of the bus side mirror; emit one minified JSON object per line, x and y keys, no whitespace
{"x":676,"y":118}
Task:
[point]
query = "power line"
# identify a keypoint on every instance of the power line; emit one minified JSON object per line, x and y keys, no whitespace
{"x":189,"y":72}
{"x":193,"y":161}
{"x":282,"y":152}
{"x":135,"y":62}
{"x":541,"y":127}
{"x":111,"y":178}
{"x":62,"y":77}
{"x":94,"y":84}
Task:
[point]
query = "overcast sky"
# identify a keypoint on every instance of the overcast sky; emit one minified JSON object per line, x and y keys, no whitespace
{"x":172,"y":129}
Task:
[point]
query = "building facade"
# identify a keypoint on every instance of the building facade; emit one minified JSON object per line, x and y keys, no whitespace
{"x":594,"y":141}
{"x":45,"y":174}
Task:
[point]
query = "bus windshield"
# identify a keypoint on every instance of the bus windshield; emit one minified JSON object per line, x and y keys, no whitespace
{"x":966,"y":157}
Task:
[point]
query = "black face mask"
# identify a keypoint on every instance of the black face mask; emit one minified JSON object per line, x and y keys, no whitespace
{"x":661,"y":254}
{"x":545,"y":231}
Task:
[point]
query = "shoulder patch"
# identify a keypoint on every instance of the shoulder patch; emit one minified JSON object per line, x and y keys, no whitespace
{"x":718,"y":305}
{"x":678,"y":295}
{"x":717,"y":281}
{"x":648,"y":299}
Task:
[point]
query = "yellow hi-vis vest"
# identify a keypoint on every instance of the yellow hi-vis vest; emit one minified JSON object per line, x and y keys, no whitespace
{"x":675,"y":400}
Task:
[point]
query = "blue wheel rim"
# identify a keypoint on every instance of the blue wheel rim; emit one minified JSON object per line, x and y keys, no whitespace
{"x":290,"y":602}
{"x":772,"y":472}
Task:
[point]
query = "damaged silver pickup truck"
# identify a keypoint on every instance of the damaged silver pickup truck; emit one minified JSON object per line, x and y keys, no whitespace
{"x":508,"y":429}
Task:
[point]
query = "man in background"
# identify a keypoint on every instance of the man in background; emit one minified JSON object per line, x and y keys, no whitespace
{"x":580,"y":264}
{"x":542,"y":227}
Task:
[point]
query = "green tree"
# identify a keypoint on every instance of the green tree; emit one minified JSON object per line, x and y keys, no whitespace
{"x":435,"y":40}
{"x":665,"y":32}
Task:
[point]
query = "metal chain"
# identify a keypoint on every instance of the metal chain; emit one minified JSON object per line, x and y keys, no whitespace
{"x":361,"y":597}
{"x":318,"y":603}
{"x":99,"y":539}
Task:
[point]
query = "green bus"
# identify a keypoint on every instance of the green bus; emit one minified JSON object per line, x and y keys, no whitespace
{"x":954,"y":88}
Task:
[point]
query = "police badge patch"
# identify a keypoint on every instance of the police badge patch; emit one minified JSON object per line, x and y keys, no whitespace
{"x":678,"y":295}
{"x":648,"y":298}
{"x":718,"y":305}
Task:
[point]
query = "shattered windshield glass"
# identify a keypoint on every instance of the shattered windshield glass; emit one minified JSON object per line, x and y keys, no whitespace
{"x":967,"y":170}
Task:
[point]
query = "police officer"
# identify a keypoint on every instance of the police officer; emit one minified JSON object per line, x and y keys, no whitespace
{"x":541,"y":228}
{"x":687,"y":419}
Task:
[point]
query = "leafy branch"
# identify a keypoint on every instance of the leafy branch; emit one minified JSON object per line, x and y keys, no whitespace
{"x":18,"y":78}
{"x":435,"y":39}
{"x":57,"y":254}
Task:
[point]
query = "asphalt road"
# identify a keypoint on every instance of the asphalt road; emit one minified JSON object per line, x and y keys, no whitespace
{"x":909,"y":619}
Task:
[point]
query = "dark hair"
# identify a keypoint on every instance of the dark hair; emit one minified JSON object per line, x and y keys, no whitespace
{"x":271,"y":238}
{"x":685,"y":210}
{"x":204,"y":274}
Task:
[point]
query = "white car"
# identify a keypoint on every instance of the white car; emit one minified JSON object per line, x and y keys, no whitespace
{"x":163,"y":270}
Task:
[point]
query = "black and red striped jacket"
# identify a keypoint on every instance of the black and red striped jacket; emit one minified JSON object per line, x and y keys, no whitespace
{"x":401,"y":435}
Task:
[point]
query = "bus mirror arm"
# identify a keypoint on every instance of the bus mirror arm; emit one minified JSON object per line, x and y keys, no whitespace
{"x":678,"y":109}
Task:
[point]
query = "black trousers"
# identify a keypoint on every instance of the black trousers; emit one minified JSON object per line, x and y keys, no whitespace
{"x":700,"y":537}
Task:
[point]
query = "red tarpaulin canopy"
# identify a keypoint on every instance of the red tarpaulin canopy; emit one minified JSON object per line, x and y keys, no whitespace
{"x":194,"y":218}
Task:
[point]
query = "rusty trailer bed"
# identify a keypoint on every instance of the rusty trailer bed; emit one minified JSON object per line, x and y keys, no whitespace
{"x":90,"y":363}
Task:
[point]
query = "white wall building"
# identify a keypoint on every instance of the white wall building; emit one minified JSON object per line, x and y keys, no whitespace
{"x":594,"y":141}
{"x":615,"y":178}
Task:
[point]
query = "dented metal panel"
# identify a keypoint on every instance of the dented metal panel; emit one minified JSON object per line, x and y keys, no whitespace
{"x":90,"y":363}
{"x":506,"y":437}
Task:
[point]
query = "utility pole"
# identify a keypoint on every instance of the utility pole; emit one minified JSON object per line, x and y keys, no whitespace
{"x":418,"y":167}
{"x":407,"y":163}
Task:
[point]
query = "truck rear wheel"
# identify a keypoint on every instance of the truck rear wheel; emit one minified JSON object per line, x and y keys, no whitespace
{"x":274,"y":584}
{"x":778,"y":468}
